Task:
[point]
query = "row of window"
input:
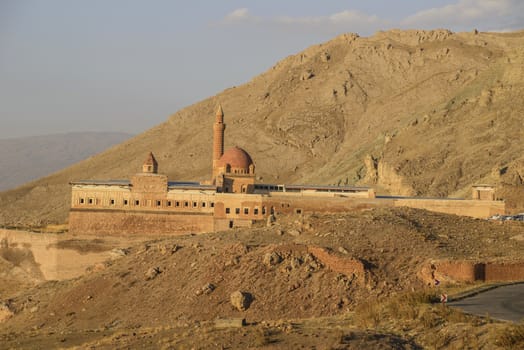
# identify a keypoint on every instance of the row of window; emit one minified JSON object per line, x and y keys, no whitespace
{"x":157,"y":203}
{"x":183,"y":204}
{"x":255,"y":210}
{"x":246,"y":211}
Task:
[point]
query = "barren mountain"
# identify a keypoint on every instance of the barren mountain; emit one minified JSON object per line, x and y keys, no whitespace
{"x":410,"y":112}
{"x":28,"y":158}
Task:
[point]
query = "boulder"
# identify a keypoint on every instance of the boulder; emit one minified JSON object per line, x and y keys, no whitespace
{"x":208,"y":288}
{"x":272,"y":259}
{"x":241,"y":300}
{"x":152,"y":273}
{"x":5,"y":312}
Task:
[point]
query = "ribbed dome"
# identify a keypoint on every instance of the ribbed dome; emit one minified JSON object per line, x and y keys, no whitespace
{"x":236,"y":157}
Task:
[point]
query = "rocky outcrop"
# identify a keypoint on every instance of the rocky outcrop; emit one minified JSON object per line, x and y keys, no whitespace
{"x":241,"y":300}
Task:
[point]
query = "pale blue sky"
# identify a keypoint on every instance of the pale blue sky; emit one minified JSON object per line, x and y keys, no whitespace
{"x":126,"y":65}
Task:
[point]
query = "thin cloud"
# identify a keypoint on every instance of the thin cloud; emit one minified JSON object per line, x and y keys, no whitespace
{"x":344,"y":17}
{"x":486,"y":15}
{"x":467,"y":13}
{"x":348,"y":20}
{"x":241,"y":14}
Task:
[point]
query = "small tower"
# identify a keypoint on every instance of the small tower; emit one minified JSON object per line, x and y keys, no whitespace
{"x":150,"y":165}
{"x":218,"y":138}
{"x":483,"y":192}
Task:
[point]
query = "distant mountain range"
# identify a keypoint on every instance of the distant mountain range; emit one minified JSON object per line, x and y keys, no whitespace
{"x":29,"y":158}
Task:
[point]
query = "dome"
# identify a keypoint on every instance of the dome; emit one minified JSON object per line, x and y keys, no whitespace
{"x":236,"y":157}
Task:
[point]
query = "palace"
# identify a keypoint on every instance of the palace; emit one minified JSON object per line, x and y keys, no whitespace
{"x":148,"y":203}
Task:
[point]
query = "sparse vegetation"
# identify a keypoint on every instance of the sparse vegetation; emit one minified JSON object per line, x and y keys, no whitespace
{"x":511,"y":337}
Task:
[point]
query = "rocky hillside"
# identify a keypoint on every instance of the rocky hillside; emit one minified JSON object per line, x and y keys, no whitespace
{"x":302,"y":269}
{"x":28,"y":158}
{"x":409,"y":112}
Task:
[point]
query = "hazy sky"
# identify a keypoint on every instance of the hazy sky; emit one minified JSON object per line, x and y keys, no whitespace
{"x":126,"y":65}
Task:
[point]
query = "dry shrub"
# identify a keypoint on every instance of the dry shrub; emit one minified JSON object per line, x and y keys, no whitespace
{"x":429,"y":320}
{"x":409,"y":305}
{"x":438,"y":340}
{"x":368,"y":315}
{"x":452,"y":315}
{"x":511,"y":337}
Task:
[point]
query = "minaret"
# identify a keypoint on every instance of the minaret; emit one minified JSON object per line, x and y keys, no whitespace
{"x":150,"y":164}
{"x":218,"y":138}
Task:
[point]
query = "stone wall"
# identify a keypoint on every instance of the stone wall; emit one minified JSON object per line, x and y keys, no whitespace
{"x":111,"y":222}
{"x":473,"y":208}
{"x":299,"y":204}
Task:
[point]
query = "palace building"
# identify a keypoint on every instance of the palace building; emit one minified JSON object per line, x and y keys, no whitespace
{"x":148,"y":203}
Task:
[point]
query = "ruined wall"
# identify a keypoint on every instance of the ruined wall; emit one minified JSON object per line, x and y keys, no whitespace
{"x":347,"y":266}
{"x":473,"y":208}
{"x":460,"y":271}
{"x":52,"y":263}
{"x":131,"y":222}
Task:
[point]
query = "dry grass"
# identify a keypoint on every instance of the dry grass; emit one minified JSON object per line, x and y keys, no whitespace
{"x":511,"y":337}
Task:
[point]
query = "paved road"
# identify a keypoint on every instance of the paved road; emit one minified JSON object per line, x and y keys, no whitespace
{"x":503,"y":303}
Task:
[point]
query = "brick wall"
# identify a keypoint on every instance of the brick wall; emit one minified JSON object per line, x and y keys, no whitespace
{"x":467,"y":271}
{"x":504,"y":271}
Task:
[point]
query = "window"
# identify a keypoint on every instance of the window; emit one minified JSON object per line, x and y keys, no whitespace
{"x":246,"y":211}
{"x":81,"y":200}
{"x":177,"y":203}
{"x":158,"y":203}
{"x":126,"y":202}
{"x":237,"y":210}
{"x":90,"y":201}
{"x":212,"y":204}
{"x":203,"y":204}
{"x":228,"y":210}
{"x":168,"y":203}
{"x":298,"y":211}
{"x":186,"y":204}
{"x":195,"y":204}
{"x":263,"y":210}
{"x":112,"y":201}
{"x":255,"y":211}
{"x":137,"y":202}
